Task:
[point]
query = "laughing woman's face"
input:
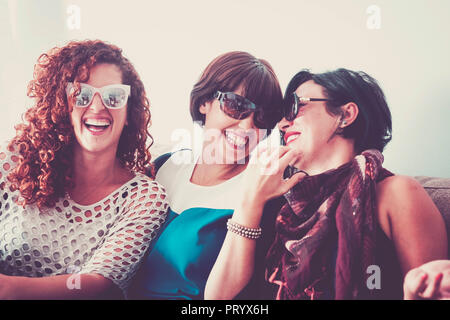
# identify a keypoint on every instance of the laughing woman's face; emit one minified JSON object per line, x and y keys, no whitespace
{"x":312,"y":130}
{"x":97,"y":128}
{"x":228,"y":140}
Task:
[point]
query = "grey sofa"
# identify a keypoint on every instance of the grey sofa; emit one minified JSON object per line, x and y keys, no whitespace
{"x":439,"y":191}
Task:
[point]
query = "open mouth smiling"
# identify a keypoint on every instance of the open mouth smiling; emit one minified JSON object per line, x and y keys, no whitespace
{"x":291,"y":136}
{"x":235,"y":140}
{"x":97,"y":125}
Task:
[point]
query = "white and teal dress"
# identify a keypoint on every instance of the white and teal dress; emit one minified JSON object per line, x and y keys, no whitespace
{"x":179,"y":264}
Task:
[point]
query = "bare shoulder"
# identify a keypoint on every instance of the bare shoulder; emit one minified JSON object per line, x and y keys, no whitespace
{"x":401,"y":198}
{"x":409,"y":217}
{"x":399,"y":186}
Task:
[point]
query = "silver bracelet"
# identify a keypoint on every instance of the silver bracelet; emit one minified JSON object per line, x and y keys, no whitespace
{"x":250,"y":233}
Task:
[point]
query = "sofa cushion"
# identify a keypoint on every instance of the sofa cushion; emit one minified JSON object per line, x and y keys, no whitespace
{"x":439,"y":191}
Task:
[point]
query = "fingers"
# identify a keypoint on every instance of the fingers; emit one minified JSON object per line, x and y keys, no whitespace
{"x":415,"y":284}
{"x":437,"y":284}
{"x":287,"y":158}
{"x":432,"y":291}
{"x":283,"y":158}
{"x":259,"y":150}
{"x":276,"y":161}
{"x":292,"y":181}
{"x":268,"y":150}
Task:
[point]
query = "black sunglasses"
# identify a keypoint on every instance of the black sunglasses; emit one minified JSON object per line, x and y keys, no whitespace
{"x":293,"y":105}
{"x":234,"y":105}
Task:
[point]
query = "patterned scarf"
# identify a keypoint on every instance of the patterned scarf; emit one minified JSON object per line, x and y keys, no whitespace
{"x":331,"y":212}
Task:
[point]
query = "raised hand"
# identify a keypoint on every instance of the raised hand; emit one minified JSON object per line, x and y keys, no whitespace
{"x":429,"y":281}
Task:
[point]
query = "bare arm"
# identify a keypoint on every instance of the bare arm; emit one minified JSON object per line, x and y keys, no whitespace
{"x":234,"y":266}
{"x":67,"y":286}
{"x":411,"y":220}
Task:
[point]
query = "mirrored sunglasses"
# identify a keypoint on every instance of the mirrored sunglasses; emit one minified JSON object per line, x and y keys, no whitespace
{"x":113,"y":96}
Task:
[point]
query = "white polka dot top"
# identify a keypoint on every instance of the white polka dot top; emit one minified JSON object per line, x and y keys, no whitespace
{"x":108,"y":238}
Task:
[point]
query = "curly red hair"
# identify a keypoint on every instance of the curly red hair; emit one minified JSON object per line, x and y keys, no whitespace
{"x":45,"y":140}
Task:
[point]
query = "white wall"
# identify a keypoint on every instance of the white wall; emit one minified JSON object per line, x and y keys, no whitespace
{"x":171,"y":42}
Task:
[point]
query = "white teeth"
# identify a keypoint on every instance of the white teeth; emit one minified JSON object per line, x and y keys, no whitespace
{"x":97,"y":129}
{"x":97,"y":122}
{"x":235,"y":140}
{"x":293,"y":137}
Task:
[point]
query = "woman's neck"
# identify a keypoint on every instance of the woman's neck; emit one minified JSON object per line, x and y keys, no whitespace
{"x":96,"y":176}
{"x":94,"y":169}
{"x":337,"y":153}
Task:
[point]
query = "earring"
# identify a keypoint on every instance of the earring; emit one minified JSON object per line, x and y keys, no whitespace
{"x":344,"y":122}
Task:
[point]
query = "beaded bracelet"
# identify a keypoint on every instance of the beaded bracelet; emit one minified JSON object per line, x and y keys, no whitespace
{"x":243,"y":231}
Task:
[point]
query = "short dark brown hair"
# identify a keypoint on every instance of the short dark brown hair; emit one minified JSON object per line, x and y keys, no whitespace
{"x":233,"y":69}
{"x":372,"y":128}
